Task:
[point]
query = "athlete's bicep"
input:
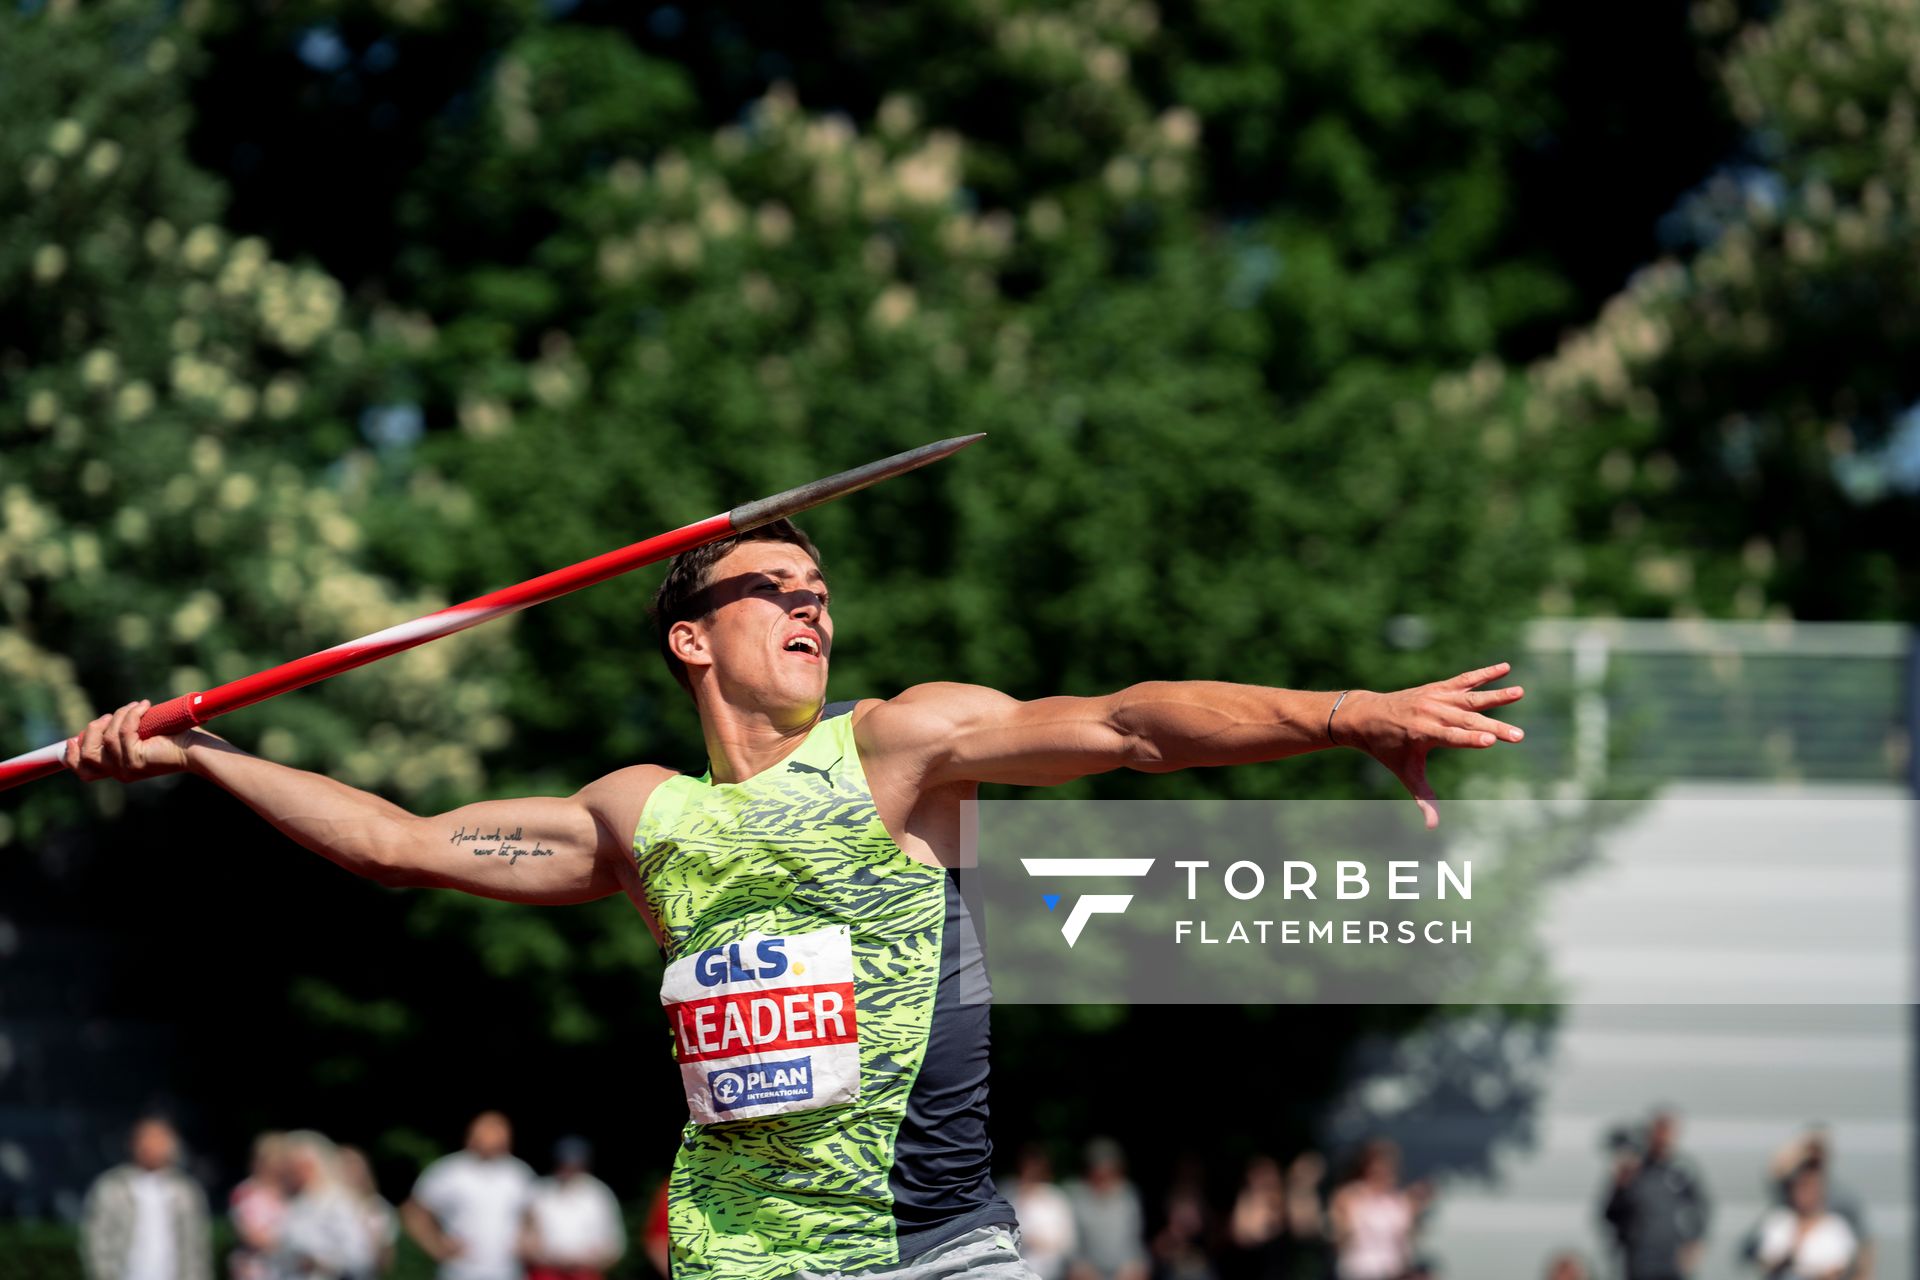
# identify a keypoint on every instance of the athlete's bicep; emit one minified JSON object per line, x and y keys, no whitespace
{"x":550,"y":850}
{"x":540,"y":849}
{"x":968,"y":733}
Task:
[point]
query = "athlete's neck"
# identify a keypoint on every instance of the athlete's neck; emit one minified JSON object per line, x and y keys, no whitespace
{"x":742,"y":742}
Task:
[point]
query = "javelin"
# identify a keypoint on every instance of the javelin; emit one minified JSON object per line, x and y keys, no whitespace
{"x":190,"y":709}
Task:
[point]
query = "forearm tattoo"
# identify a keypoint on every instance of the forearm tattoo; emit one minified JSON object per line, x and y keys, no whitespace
{"x":500,"y":843}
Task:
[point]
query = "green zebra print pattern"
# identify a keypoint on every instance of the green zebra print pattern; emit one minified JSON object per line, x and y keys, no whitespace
{"x":791,"y":850}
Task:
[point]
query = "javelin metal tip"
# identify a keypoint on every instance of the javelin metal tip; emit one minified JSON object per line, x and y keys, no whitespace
{"x":799,"y":499}
{"x":915,"y":457}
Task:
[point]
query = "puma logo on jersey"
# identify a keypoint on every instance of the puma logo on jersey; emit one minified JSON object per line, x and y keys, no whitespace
{"x":796,"y":766}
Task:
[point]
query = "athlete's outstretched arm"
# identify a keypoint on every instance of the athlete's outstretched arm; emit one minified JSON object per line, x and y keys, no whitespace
{"x":958,"y":732}
{"x":540,"y":850}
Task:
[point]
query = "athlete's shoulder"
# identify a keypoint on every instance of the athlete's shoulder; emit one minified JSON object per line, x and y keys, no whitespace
{"x":935,"y":700}
{"x":926,"y":715}
{"x":634,"y":779}
{"x":617,"y":799}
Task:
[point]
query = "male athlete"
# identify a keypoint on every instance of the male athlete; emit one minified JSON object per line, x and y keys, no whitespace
{"x":803,"y":895}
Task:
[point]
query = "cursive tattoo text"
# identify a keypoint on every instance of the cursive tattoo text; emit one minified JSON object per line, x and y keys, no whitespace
{"x":500,"y":843}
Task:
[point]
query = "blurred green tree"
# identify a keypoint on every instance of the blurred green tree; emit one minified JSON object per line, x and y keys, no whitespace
{"x":1739,"y":431}
{"x":184,"y":492}
{"x":592,"y":270}
{"x":798,"y":290}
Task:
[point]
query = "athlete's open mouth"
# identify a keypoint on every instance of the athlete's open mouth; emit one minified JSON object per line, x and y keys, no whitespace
{"x":803,"y":644}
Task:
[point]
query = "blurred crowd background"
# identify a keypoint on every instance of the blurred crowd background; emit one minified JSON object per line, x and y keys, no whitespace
{"x":308,"y":1209}
{"x":1319,"y":345}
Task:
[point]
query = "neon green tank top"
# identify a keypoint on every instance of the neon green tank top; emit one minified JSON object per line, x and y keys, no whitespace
{"x":803,"y":951}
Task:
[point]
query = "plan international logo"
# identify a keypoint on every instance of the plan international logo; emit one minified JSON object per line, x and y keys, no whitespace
{"x":1087,"y":905}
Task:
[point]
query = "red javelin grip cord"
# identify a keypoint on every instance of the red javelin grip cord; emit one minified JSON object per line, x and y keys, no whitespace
{"x":190,"y":709}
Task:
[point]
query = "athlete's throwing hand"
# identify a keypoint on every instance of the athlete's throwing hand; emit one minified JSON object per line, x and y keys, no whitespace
{"x":1399,"y":729}
{"x":111,"y":747}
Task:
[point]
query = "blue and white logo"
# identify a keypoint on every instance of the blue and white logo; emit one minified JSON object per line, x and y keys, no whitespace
{"x":758,"y":1083}
{"x":718,"y":965}
{"x":1087,"y":905}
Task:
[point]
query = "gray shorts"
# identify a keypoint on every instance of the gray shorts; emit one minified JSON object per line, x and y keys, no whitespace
{"x":985,"y":1253}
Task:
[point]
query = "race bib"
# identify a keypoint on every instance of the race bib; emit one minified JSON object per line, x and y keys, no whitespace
{"x":765,"y":1025}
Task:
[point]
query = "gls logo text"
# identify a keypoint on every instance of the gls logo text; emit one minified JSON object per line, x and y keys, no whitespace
{"x":1087,"y":904}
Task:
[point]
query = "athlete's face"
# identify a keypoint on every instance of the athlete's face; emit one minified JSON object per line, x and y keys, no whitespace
{"x":769,"y":638}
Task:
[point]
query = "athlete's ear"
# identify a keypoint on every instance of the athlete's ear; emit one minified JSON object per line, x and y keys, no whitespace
{"x":688,"y":642}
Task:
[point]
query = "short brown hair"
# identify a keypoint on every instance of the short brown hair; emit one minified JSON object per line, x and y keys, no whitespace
{"x":683,"y":595}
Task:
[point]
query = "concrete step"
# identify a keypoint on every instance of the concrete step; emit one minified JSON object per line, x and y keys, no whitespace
{"x":1742,"y":955}
{"x":1479,"y":1235}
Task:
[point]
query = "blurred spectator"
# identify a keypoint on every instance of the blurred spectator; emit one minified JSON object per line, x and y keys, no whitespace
{"x":1181,"y":1247}
{"x":1815,"y":1147}
{"x":323,"y":1235}
{"x":1107,"y":1223}
{"x":1305,"y":1216}
{"x":465,"y":1211}
{"x":1275,"y":1220}
{"x":1374,"y":1217}
{"x":255,"y":1208}
{"x":1258,"y":1227}
{"x":1656,"y":1206}
{"x":655,"y":1239}
{"x":573,"y":1228}
{"x":1046,"y":1218}
{"x":381,"y":1222}
{"x":1804,"y":1239}
{"x":146,"y":1220}
{"x":1567,"y":1266}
